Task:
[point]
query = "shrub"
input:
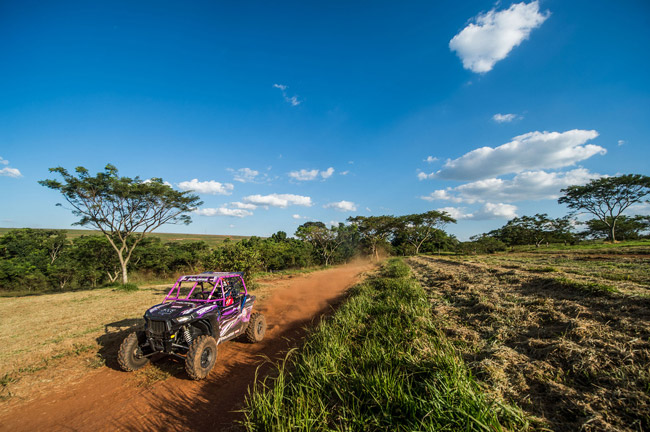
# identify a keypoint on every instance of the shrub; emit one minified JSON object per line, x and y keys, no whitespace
{"x":127,"y":287}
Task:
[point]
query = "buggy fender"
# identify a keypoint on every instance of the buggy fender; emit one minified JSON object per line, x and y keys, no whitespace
{"x":206,"y":326}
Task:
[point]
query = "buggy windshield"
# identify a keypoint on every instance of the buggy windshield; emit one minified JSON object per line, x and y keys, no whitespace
{"x":208,"y":287}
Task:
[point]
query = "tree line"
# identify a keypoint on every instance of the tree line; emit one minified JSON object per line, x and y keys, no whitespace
{"x":47,"y":260}
{"x":605,"y":199}
{"x":125,"y":210}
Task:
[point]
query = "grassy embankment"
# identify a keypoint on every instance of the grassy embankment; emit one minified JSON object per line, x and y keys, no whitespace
{"x":379,"y":363}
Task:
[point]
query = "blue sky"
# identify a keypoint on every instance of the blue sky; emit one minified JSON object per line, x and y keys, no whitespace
{"x":281,"y":113}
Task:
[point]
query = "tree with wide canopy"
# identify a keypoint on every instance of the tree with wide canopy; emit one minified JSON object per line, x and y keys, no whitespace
{"x":124,"y":209}
{"x":607,"y":197}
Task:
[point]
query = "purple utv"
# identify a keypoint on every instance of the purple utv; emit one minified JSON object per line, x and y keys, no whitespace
{"x":199,"y":312}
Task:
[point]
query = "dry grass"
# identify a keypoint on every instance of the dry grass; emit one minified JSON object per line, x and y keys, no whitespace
{"x":626,"y":273}
{"x":39,"y":332}
{"x":569,"y":351}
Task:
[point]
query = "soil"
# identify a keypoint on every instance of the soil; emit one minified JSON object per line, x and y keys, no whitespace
{"x":109,"y":399}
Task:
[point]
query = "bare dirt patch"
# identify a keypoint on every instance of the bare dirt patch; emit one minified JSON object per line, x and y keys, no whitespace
{"x":572,"y":358}
{"x":161,"y":396}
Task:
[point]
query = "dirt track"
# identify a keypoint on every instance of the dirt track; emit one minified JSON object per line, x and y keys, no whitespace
{"x":109,"y":400}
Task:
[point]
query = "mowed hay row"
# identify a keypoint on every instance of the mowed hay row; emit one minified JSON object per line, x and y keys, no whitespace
{"x":626,"y":273}
{"x":573,"y":357}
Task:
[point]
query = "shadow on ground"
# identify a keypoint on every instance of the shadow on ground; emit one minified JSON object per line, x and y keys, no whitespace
{"x":222,"y":395}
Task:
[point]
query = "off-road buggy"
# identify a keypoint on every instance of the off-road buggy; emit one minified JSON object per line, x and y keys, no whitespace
{"x":199,"y":312}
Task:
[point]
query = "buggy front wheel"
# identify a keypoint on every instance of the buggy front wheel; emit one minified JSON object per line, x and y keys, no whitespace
{"x":201,"y":357}
{"x":130,"y":355}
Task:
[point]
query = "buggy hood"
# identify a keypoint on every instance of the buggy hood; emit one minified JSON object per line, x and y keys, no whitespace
{"x":172,"y":310}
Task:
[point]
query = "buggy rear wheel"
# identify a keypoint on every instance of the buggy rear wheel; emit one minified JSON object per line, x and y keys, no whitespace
{"x":130,"y":355}
{"x":256,"y":328}
{"x":201,"y":357}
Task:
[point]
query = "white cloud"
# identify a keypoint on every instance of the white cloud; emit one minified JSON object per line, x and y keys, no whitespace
{"x":278,"y":200}
{"x":207,"y":187}
{"x":293,"y":100}
{"x":166,"y":183}
{"x":529,"y":185}
{"x":304,"y":175}
{"x":296,"y":216}
{"x":344,"y":206}
{"x":308,"y":175}
{"x":430,"y":159}
{"x":457,"y":213}
{"x":494,"y":34}
{"x":223,"y":211}
{"x":495,"y":211}
{"x":487,"y":211}
{"x":425,"y":176}
{"x":442,"y":195}
{"x":241,"y":205}
{"x":8,"y":171}
{"x":620,"y":142}
{"x":531,"y":151}
{"x":344,"y":173}
{"x":504,"y":118}
{"x":327,"y":173}
{"x":244,"y":175}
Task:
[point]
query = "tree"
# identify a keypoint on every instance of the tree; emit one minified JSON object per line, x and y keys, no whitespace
{"x":627,"y":228}
{"x":27,"y":256}
{"x":241,"y":256}
{"x":124,"y":209}
{"x":482,"y":243}
{"x":374,"y":230}
{"x":95,"y":259}
{"x":324,"y":240}
{"x":607,"y":197}
{"x":534,"y":230}
{"x":422,"y":227}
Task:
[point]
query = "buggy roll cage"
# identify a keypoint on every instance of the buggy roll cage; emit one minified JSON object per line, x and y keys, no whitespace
{"x":216,"y":279}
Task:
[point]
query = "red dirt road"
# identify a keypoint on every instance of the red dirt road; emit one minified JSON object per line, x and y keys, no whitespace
{"x":109,"y":400}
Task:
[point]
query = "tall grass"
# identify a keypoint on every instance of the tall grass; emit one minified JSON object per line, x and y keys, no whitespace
{"x":378,"y":364}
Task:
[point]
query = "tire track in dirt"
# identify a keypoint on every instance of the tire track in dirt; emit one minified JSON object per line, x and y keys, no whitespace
{"x":110,"y":400}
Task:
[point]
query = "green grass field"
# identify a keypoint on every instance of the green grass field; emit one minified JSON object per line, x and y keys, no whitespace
{"x":211,"y":240}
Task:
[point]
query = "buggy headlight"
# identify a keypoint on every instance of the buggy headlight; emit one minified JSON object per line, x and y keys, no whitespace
{"x":183,"y":319}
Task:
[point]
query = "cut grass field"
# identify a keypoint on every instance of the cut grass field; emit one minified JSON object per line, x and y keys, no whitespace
{"x":380,"y":363}
{"x":211,"y":240}
{"x":628,"y":273}
{"x":566,"y":339}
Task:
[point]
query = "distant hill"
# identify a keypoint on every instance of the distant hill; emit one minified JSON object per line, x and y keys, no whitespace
{"x":210,"y":239}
